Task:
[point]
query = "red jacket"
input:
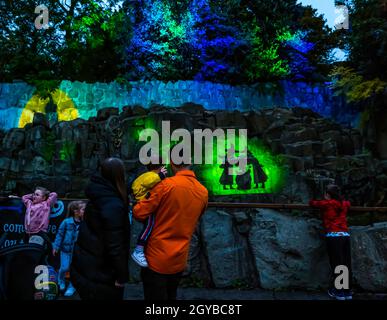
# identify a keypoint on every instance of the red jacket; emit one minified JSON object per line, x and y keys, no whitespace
{"x":334,"y":214}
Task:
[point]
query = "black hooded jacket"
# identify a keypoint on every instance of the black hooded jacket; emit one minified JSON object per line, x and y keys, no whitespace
{"x":101,"y":252}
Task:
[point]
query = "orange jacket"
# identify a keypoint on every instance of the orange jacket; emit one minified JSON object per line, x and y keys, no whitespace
{"x":177,"y":203}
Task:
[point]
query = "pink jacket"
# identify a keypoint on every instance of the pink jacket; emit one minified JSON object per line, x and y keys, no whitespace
{"x":38,"y":215}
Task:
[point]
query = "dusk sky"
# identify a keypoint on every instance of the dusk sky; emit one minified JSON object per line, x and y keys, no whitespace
{"x":327,"y":8}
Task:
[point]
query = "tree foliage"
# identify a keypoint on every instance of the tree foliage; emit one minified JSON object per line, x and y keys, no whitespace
{"x":363,"y":76}
{"x":233,"y":41}
{"x":354,"y":86}
{"x":82,"y":42}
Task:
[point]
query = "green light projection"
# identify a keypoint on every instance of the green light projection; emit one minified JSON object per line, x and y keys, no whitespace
{"x":265,"y":173}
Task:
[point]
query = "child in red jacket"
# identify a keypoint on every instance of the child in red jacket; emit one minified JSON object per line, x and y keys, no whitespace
{"x":334,"y":215}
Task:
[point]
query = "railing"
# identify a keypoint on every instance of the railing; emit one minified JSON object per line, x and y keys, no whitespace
{"x":290,"y":206}
{"x":257,"y":205}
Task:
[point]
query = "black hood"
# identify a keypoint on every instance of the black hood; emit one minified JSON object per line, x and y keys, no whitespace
{"x":99,"y":188}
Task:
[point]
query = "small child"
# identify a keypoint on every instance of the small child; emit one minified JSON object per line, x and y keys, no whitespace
{"x":334,"y":214}
{"x":65,"y":240}
{"x":37,"y":216}
{"x":140,"y":188}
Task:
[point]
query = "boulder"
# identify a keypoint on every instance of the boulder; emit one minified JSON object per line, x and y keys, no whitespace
{"x":304,"y":148}
{"x":230,"y":119}
{"x":383,"y":166}
{"x":242,"y":222}
{"x":40,"y":119}
{"x":105,"y":113}
{"x":345,"y":146}
{"x":227,"y":251}
{"x":5,"y":163}
{"x":131,"y":128}
{"x":304,"y":112}
{"x":14,"y":140}
{"x":296,"y":163}
{"x":324,"y":125}
{"x":126,"y":112}
{"x":80,"y":132}
{"x":329,"y":147}
{"x":192,"y":108}
{"x":158,"y":107}
{"x":256,"y":123}
{"x":64,"y":130}
{"x":177,"y":120}
{"x":283,"y":114}
{"x":331,"y":134}
{"x":289,"y":251}
{"x":41,"y":166}
{"x":357,"y":141}
{"x":275,"y":130}
{"x":139,"y":110}
{"x":369,"y":256}
{"x":197,"y":264}
{"x":296,"y":188}
{"x":299,"y":135}
{"x":62,"y":168}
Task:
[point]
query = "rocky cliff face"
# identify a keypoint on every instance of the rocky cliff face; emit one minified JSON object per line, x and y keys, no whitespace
{"x":242,"y":248}
{"x":277,"y":250}
{"x":316,"y":150}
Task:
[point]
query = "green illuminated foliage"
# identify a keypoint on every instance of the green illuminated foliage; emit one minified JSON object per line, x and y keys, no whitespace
{"x":67,"y":151}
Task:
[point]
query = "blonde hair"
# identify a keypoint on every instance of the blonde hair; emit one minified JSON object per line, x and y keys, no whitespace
{"x":73,"y":206}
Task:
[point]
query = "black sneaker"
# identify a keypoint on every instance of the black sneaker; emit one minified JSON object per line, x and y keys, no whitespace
{"x":333,"y":293}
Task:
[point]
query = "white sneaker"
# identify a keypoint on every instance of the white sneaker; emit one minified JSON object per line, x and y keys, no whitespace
{"x":70,"y":291}
{"x":139,"y":257}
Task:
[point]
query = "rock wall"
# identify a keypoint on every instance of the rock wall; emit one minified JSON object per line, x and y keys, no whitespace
{"x":240,"y":248}
{"x":276,"y":250}
{"x":315,"y":150}
{"x":89,"y":98}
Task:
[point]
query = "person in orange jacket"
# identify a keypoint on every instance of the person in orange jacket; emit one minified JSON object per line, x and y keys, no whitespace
{"x":177,"y":204}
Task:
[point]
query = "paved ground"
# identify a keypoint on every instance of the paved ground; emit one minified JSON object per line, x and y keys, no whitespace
{"x":135,"y":292}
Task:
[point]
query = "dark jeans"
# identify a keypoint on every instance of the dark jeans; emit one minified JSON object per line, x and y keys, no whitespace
{"x":101,"y":293}
{"x":94,"y":291}
{"x":339,"y":252}
{"x":159,"y":286}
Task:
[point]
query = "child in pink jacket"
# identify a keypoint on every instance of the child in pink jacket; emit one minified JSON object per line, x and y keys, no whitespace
{"x":38,"y":206}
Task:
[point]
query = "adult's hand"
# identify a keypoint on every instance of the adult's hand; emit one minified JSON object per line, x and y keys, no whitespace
{"x":54,"y":252}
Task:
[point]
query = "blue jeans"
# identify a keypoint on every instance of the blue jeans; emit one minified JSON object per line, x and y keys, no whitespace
{"x":65,"y":261}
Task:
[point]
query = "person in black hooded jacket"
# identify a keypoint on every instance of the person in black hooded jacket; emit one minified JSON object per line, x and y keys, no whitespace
{"x":100,"y":260}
